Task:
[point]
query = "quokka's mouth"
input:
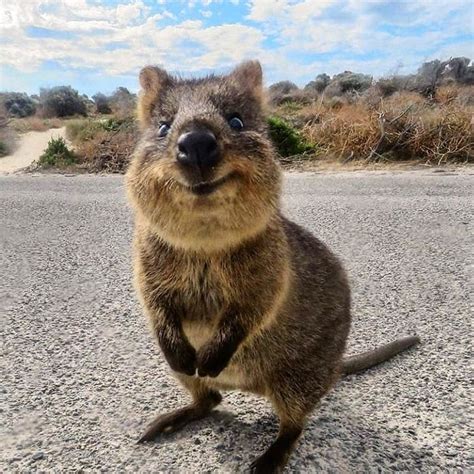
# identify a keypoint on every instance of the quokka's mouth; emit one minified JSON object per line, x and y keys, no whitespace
{"x":208,"y":187}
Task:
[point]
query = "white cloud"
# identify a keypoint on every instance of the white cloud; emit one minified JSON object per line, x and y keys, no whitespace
{"x":300,"y":11}
{"x":306,"y":9}
{"x":125,"y":13}
{"x":118,"y":39}
{"x":138,"y":39}
{"x":261,"y":10}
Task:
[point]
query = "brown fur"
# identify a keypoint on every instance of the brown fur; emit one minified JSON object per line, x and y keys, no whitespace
{"x":232,"y":288}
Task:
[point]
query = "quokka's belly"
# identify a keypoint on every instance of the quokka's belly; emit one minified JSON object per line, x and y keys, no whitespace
{"x":197,"y":333}
{"x":231,"y":378}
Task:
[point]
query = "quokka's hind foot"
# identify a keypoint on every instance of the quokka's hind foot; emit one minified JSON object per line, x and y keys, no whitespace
{"x":177,"y":419}
{"x":292,"y":413}
{"x":274,"y":459}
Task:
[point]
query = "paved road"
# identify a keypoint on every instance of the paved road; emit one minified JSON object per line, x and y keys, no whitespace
{"x":81,"y":377}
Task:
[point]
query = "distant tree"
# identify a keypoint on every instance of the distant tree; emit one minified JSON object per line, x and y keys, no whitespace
{"x":468,"y":77}
{"x":457,"y":70}
{"x":353,"y":82}
{"x":347,"y":82}
{"x":123,"y":102}
{"x":426,"y":78}
{"x":319,"y":84}
{"x":18,"y":104}
{"x":62,"y":101}
{"x":102,"y":103}
{"x":389,"y":85}
{"x":283,"y":87}
{"x":282,"y":91}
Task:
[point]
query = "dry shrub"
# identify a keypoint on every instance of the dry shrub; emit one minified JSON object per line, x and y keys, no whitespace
{"x":436,"y":132}
{"x":442,"y":135}
{"x":372,"y":96}
{"x":402,"y":126}
{"x":285,"y":92}
{"x":465,"y":96}
{"x":8,"y":136}
{"x":109,"y":151}
{"x":54,"y":123}
{"x":462,"y":95}
{"x":446,"y":94}
{"x":312,"y":114}
{"x":344,"y":132}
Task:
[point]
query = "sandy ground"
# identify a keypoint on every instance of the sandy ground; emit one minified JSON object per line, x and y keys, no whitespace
{"x":81,"y":376}
{"x":32,"y":145}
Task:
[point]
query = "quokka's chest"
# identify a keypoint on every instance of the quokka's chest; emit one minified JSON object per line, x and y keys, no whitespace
{"x":203,"y":295}
{"x":204,"y":288}
{"x":200,"y":288}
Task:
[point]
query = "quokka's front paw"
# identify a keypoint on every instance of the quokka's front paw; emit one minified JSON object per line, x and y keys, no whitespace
{"x":211,"y":361}
{"x":182,"y":358}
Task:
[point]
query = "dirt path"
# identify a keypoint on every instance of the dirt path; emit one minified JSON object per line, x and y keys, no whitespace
{"x":32,"y":145}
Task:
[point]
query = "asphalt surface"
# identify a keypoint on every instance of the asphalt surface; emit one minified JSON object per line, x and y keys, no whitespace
{"x":81,"y":376}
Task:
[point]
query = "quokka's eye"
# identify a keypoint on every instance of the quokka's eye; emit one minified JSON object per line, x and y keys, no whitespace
{"x":164,"y":129}
{"x":235,"y":123}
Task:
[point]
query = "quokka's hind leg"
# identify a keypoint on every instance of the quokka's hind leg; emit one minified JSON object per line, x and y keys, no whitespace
{"x":292,"y":419}
{"x":293,"y":408}
{"x":204,"y":400}
{"x":274,"y":459}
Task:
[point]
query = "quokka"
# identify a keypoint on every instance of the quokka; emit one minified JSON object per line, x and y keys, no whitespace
{"x":239,"y":297}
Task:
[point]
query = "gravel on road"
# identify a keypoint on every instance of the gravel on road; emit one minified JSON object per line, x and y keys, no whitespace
{"x":81,"y":375}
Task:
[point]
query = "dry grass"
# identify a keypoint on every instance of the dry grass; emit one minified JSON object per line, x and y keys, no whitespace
{"x":401,"y":127}
{"x":107,"y":150}
{"x":35,"y":124}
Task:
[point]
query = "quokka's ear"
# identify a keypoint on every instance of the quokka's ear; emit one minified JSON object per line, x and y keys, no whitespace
{"x":152,"y":81}
{"x":249,"y":77}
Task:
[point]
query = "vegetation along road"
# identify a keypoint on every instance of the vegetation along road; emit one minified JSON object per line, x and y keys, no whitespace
{"x":81,"y":376}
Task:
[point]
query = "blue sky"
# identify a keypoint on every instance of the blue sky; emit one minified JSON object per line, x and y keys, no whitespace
{"x":99,"y":45}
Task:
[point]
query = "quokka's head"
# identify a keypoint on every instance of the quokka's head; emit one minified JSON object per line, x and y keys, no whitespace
{"x":204,"y":175}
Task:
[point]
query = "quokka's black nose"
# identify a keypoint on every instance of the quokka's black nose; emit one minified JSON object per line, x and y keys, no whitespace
{"x":198,"y":148}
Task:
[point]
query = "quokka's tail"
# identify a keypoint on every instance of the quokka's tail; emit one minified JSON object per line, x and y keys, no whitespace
{"x":358,"y":362}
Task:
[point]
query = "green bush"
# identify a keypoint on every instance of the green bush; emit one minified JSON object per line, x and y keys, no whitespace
{"x":114,"y":124}
{"x":287,"y":139}
{"x":57,"y":154}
